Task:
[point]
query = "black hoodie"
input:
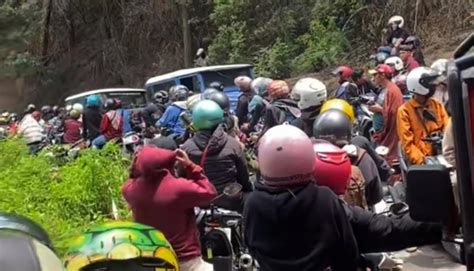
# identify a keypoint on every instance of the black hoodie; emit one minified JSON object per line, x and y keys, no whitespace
{"x":91,"y":123}
{"x":225,"y":160}
{"x":302,"y":229}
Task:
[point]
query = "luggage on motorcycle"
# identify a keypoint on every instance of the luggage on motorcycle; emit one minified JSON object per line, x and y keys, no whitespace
{"x":429,"y":193}
{"x":355,"y":193}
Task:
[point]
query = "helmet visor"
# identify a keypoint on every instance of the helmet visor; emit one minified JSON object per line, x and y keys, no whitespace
{"x":430,"y":80}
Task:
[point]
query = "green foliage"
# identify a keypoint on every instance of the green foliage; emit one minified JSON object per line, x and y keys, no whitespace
{"x":275,"y":61}
{"x":229,"y":45}
{"x":323,"y":45}
{"x":19,"y":28}
{"x":64,"y":199}
{"x":282,"y":38}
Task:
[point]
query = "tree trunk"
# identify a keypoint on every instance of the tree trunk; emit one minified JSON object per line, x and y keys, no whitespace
{"x":47,"y":5}
{"x":187,"y":46}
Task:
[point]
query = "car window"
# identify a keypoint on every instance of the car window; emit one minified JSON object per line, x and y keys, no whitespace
{"x":132,"y":99}
{"x":162,"y":86}
{"x":226,"y":77}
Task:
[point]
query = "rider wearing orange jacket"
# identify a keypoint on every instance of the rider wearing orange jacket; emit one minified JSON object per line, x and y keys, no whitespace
{"x":421,"y":116}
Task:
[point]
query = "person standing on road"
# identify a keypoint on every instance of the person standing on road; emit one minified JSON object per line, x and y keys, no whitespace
{"x":388,"y":101}
{"x":158,"y":198}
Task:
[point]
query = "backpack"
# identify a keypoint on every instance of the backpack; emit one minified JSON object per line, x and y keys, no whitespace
{"x":355,"y":193}
{"x":286,"y":113}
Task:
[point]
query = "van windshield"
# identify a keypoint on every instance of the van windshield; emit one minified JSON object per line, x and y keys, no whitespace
{"x":132,"y":99}
{"x":226,"y":77}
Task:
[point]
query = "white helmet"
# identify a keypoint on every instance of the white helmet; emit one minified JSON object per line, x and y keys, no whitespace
{"x":309,"y":92}
{"x":260,"y":85}
{"x":199,"y":51}
{"x":397,"y":19}
{"x":440,"y":65}
{"x":78,"y":107}
{"x":422,"y":81}
{"x":68,"y":108}
{"x":395,"y":62}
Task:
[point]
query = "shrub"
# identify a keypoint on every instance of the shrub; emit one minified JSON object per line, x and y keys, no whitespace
{"x":64,"y":199}
{"x":275,"y":61}
{"x":323,"y":45}
{"x":229,"y":45}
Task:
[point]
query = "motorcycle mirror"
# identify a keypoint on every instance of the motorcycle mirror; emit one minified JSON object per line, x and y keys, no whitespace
{"x":232,"y":189}
{"x":399,"y":208}
{"x":382,"y":150}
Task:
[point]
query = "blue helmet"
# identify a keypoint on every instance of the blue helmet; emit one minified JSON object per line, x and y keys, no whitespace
{"x":92,"y":101}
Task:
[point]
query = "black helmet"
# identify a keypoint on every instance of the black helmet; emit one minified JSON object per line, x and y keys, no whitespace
{"x":221,"y":99}
{"x":217,"y":85}
{"x":24,"y":225}
{"x":181,"y":94}
{"x":208,"y":92}
{"x":178,"y":93}
{"x":333,"y":126}
{"x":109,"y":104}
{"x":161,"y":97}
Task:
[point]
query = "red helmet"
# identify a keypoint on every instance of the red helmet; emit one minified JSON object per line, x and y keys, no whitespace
{"x":383,"y":69}
{"x":286,"y":157}
{"x":344,"y":72}
{"x":332,"y":167}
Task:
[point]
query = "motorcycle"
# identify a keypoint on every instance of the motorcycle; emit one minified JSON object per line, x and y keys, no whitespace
{"x":222,"y":235}
{"x":364,"y":125}
{"x":131,"y":141}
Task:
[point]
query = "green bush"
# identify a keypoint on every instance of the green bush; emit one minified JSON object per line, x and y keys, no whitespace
{"x":64,"y":199}
{"x":275,"y":61}
{"x":229,"y":45}
{"x":323,"y":45}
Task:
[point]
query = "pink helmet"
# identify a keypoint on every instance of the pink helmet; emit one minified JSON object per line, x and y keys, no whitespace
{"x":243,"y":82}
{"x":332,"y":167}
{"x":286,"y":156}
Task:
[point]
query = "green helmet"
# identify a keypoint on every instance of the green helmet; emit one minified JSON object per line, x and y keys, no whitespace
{"x":129,"y":245}
{"x":207,"y":115}
{"x":22,"y":224}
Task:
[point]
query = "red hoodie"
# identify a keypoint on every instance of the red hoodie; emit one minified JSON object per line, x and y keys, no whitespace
{"x":159,"y":199}
{"x":111,"y":125}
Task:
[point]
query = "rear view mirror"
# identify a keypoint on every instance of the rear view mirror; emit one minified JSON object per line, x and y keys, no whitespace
{"x":429,"y":193}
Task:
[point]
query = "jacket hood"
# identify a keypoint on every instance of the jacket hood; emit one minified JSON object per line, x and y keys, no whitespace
{"x":152,"y":163}
{"x":180,"y":104}
{"x":216,"y":140}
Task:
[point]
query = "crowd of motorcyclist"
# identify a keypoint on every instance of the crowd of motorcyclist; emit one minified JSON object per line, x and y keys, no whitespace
{"x":309,"y":201}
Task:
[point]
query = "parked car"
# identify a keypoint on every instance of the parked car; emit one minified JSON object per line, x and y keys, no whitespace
{"x":198,"y":79}
{"x":131,"y":98}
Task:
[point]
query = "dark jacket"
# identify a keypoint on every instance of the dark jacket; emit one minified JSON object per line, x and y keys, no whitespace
{"x":148,"y":115}
{"x":379,"y":233}
{"x":302,"y":229}
{"x":225,"y":160}
{"x":368,"y":87}
{"x":280,"y":111}
{"x":306,"y":121}
{"x":91,"y":123}
{"x":242,"y":110}
{"x":373,"y":185}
